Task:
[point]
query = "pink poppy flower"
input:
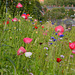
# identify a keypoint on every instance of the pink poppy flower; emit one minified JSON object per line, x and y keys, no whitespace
{"x":73,"y":51}
{"x":15,"y":19}
{"x":74,"y":42}
{"x":71,"y":56}
{"x":27,"y":40}
{"x":19,"y":5}
{"x":60,"y":33}
{"x":24,"y":16}
{"x":35,"y":20}
{"x":72,"y":45}
{"x":59,"y":28}
{"x":44,"y":33}
{"x":21,"y":51}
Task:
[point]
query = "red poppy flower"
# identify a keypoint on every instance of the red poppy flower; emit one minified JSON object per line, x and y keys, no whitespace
{"x":36,"y":27}
{"x":42,"y":26}
{"x":27,"y":14}
{"x":6,"y":23}
{"x":58,"y":59}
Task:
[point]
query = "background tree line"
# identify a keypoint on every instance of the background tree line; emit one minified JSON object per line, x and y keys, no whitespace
{"x":59,"y":2}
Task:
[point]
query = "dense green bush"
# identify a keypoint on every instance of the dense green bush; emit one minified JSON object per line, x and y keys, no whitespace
{"x":71,"y":12}
{"x":55,"y":13}
{"x":30,"y":7}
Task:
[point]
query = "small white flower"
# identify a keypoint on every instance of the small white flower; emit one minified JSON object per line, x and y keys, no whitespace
{"x":28,"y":54}
{"x":23,"y":16}
{"x":70,"y":41}
{"x":29,"y":17}
{"x":60,"y":38}
{"x":46,"y":54}
{"x":50,"y":40}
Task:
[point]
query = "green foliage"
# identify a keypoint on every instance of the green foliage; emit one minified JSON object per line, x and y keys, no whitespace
{"x":55,"y":13}
{"x":71,"y":12}
{"x":59,"y":2}
{"x":45,"y":9}
{"x":36,"y":13}
{"x":47,"y":15}
{"x":29,"y":7}
{"x":38,"y":5}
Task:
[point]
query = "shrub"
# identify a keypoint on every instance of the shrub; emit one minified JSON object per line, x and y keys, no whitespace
{"x":71,"y":12}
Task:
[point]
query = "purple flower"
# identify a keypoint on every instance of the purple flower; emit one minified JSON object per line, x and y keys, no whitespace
{"x":40,"y":21}
{"x":62,"y":56}
{"x":56,"y":33}
{"x":32,"y":23}
{"x":51,"y":43}
{"x":61,"y":35}
{"x":52,"y":37}
{"x":30,"y":19}
{"x":54,"y":40}
{"x":31,"y":73}
{"x":52,"y":23}
{"x":46,"y":48}
{"x":24,"y":13}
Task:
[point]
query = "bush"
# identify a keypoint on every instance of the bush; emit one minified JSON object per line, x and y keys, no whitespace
{"x":71,"y":12}
{"x":55,"y":13}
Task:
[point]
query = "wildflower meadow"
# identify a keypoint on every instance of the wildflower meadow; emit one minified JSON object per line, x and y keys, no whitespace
{"x":29,"y":46}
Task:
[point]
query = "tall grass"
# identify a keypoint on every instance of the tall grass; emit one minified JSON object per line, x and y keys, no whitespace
{"x":42,"y":61}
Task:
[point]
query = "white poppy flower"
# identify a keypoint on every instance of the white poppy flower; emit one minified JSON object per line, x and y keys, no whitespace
{"x":28,"y":54}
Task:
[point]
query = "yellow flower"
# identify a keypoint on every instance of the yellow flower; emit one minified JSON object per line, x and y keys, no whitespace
{"x":19,"y":20}
{"x":9,"y":30}
{"x":66,"y":67}
{"x":14,"y":28}
{"x":36,"y":32}
{"x":9,"y":16}
{"x":10,"y":38}
{"x":50,"y":21}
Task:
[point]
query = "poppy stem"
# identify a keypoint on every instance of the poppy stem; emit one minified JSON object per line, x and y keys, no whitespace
{"x":24,"y":45}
